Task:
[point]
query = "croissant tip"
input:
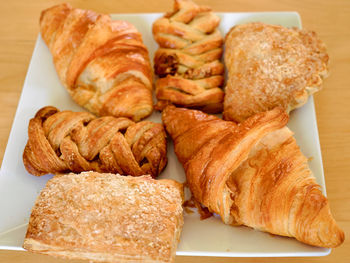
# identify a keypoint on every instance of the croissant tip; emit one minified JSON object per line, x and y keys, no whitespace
{"x":329,"y":233}
{"x":338,"y":237}
{"x":341,"y":238}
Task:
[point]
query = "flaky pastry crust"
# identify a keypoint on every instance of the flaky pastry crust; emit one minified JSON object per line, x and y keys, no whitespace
{"x":269,"y":66}
{"x":103,"y":64}
{"x":107,"y":218}
{"x":61,"y":141}
{"x":252,"y":174}
{"x":188,"y":59}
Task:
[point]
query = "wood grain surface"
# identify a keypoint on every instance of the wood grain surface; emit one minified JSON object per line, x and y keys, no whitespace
{"x":330,"y":19}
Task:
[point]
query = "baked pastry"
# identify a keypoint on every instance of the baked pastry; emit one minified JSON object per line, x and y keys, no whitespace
{"x":188,"y":59}
{"x":269,"y":66}
{"x":252,"y":174}
{"x":103,"y":64}
{"x":107,"y":218}
{"x":61,"y":141}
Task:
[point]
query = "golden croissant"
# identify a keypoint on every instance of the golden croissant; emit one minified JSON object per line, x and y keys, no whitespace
{"x":103,"y":64}
{"x":252,"y":174}
{"x":61,"y":141}
{"x":188,"y":58}
{"x":269,"y":66}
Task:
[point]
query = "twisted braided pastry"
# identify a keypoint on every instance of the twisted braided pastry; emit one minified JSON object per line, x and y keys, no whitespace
{"x":78,"y":141}
{"x":103,"y":64}
{"x":187,"y":61}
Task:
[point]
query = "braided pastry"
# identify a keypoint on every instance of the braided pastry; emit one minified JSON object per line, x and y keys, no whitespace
{"x":78,"y":141}
{"x":187,"y":61}
{"x":252,"y":174}
{"x":102,"y":63}
{"x":269,"y":66}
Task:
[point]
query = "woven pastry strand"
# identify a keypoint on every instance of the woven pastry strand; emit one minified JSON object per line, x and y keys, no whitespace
{"x":62,"y":141}
{"x":187,"y":61}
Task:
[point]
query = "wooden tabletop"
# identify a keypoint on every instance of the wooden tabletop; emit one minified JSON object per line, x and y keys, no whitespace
{"x":330,"y":19}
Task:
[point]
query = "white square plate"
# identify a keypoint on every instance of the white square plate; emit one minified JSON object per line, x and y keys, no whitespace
{"x":210,"y":237}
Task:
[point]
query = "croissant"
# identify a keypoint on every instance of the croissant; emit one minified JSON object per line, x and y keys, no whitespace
{"x":252,"y":174}
{"x":188,"y":58}
{"x":103,"y":64}
{"x":269,"y":66}
{"x":61,"y":141}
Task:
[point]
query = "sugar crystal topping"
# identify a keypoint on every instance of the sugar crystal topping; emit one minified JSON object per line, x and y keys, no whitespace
{"x":106,"y":211}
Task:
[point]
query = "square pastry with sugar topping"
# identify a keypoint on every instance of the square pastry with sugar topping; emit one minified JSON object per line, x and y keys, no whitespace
{"x":271,"y":66}
{"x":107,"y":218}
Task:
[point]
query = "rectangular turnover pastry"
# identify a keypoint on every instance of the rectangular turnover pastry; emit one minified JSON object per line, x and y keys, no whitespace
{"x":103,"y":63}
{"x":107,"y":218}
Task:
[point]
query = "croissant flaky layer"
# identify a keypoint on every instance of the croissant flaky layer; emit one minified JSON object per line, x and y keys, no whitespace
{"x":188,"y":58}
{"x":61,"y":141}
{"x":103,"y":63}
{"x":252,"y":174}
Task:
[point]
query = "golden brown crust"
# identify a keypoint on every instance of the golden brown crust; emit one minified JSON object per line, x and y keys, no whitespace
{"x":187,"y":61}
{"x":78,"y":141}
{"x":103,"y":63}
{"x":107,"y":218}
{"x":252,"y":173}
{"x":269,"y":66}
{"x":289,"y":191}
